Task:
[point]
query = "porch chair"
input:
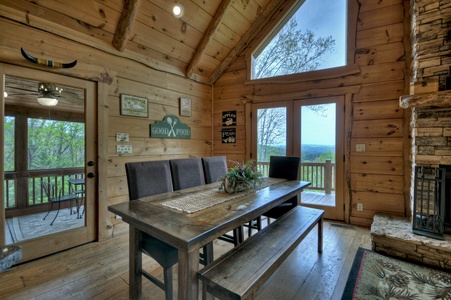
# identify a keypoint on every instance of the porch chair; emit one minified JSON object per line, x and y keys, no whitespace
{"x":215,"y":167}
{"x":146,"y":179}
{"x":55,"y":195}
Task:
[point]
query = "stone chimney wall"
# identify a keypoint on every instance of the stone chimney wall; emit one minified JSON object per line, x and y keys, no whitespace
{"x":431,"y":40}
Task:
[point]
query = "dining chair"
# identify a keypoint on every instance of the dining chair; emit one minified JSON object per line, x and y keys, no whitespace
{"x":186,"y":173}
{"x":146,"y":179}
{"x":286,"y":167}
{"x":215,"y":167}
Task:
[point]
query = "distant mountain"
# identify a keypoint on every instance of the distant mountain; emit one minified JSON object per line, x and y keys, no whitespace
{"x":311,"y":152}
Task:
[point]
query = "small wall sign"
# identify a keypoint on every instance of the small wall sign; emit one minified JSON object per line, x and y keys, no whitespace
{"x":229,"y":135}
{"x":134,"y":106}
{"x":229,"y":118}
{"x":185,"y":107}
{"x":170,"y":128}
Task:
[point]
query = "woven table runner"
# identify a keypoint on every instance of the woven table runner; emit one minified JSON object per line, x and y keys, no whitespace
{"x":195,"y":202}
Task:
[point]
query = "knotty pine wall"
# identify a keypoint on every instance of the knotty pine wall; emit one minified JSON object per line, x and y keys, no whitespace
{"x":116,"y":75}
{"x":371,"y":86}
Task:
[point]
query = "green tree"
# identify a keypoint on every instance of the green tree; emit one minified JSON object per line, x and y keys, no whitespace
{"x":55,"y":144}
{"x":292,"y":51}
{"x":325,"y":156}
{"x":9,"y":126}
{"x":271,"y":129}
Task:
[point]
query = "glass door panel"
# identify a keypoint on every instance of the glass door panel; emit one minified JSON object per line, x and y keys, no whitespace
{"x":319,"y":143}
{"x":272,"y":133}
{"x":46,"y":148}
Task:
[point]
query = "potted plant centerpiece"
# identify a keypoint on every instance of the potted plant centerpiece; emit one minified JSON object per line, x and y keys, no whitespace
{"x":241,"y":177}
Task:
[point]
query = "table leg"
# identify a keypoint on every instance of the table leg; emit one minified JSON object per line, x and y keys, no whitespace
{"x":188,"y":287}
{"x":135,"y":261}
{"x":320,"y":235}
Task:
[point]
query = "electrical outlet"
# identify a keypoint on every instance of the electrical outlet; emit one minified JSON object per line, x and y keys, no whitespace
{"x":360,"y":206}
{"x":360,"y":148}
{"x":122,"y":137}
{"x":121,"y":149}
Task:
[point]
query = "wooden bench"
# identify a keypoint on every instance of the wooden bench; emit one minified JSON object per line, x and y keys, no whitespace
{"x":241,"y":271}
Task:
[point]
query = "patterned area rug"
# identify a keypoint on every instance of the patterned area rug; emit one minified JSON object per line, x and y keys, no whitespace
{"x":375,"y":276}
{"x":33,"y":226}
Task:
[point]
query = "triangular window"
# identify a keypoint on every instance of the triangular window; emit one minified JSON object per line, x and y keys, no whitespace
{"x":312,"y":37}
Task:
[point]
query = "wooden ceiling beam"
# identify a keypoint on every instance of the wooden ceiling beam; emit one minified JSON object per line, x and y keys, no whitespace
{"x":273,"y":7}
{"x":125,"y":24}
{"x":208,"y":36}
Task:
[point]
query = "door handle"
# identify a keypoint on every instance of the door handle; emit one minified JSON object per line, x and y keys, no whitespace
{"x":90,"y":163}
{"x":91,"y":175}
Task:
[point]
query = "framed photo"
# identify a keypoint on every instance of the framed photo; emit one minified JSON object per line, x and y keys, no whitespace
{"x":185,"y":107}
{"x":134,"y":106}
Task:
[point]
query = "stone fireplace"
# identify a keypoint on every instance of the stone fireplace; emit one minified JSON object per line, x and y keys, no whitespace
{"x":430,"y":105}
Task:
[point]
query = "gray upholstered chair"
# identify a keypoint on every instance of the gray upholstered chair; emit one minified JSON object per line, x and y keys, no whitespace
{"x":214,"y":167}
{"x":146,"y":179}
{"x":186,"y":173}
{"x":286,"y":167}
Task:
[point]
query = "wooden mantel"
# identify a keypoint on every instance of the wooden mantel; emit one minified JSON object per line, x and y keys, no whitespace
{"x":440,"y":99}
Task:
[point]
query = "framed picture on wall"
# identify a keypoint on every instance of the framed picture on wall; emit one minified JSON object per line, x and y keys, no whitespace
{"x":185,"y":107}
{"x":134,"y":106}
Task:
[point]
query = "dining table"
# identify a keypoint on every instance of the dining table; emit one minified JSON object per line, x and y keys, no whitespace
{"x":191,"y":218}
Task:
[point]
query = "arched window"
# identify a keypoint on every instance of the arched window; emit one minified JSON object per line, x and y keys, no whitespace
{"x":311,"y":37}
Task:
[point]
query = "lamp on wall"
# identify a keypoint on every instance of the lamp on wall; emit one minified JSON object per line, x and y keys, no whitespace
{"x":47,"y":99}
{"x":177,"y":10}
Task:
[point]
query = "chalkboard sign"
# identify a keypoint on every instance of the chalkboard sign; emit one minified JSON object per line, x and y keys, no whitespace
{"x":229,"y":135}
{"x":229,"y":118}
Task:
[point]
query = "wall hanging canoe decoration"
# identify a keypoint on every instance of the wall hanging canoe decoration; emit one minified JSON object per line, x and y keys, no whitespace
{"x":46,"y":62}
{"x":170,"y":128}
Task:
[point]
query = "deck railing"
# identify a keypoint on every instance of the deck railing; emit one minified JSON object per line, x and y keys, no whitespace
{"x":321,"y":175}
{"x":24,"y":191}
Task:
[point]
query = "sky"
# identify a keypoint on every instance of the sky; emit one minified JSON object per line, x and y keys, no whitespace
{"x":317,"y":130}
{"x":325,"y":18}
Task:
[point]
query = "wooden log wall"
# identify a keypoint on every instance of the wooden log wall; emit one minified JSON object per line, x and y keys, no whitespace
{"x":120,"y":75}
{"x":377,"y":76}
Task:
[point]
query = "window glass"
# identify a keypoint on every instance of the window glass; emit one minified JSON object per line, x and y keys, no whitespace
{"x":9,"y":128}
{"x":313,"y":38}
{"x":55,"y":144}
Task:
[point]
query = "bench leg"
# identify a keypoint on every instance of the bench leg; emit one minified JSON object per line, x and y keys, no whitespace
{"x":320,"y":235}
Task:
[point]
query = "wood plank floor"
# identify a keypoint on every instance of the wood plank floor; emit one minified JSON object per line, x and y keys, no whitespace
{"x":100,"y":270}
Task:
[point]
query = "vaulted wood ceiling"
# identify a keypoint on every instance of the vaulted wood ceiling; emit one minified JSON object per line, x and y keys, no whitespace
{"x":201,"y":45}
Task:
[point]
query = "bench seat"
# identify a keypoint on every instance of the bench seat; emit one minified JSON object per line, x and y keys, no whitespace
{"x":241,"y":271}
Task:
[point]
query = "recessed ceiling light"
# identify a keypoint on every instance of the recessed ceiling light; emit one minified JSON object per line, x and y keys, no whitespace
{"x":177,"y":10}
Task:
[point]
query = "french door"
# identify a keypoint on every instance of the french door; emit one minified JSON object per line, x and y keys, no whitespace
{"x":314,"y":130}
{"x":36,"y":155}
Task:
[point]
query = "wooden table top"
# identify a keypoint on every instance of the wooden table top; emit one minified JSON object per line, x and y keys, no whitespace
{"x":188,"y":231}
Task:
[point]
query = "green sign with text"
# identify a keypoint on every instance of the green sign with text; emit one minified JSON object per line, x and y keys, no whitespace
{"x":170,"y":128}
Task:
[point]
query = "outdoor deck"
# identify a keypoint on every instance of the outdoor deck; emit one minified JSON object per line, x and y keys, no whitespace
{"x":312,"y":197}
